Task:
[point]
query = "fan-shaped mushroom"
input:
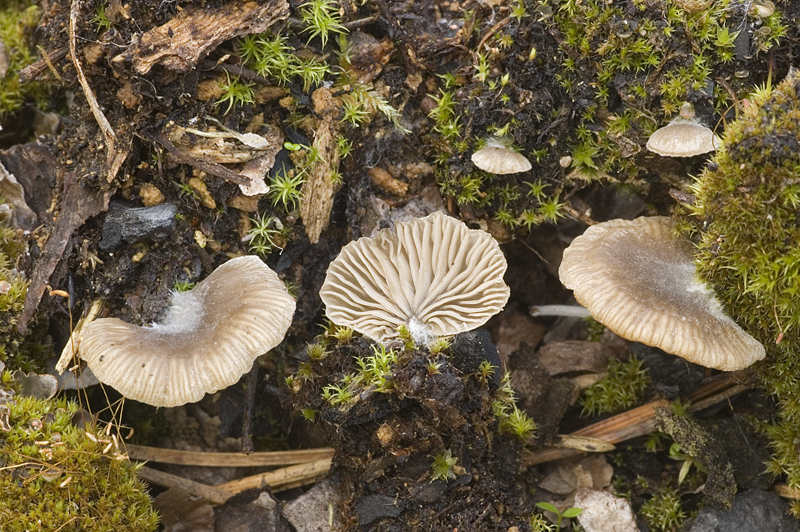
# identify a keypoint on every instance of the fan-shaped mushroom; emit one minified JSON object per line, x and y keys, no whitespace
{"x":432,"y":274}
{"x":210,"y":337}
{"x":496,"y":158}
{"x":683,"y":138}
{"x":637,"y":277}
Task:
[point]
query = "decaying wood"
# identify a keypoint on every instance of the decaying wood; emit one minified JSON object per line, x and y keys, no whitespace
{"x":79,"y":202}
{"x":208,"y":167}
{"x":637,"y":421}
{"x":33,"y":71}
{"x":318,"y":191}
{"x":278,"y":480}
{"x":180,"y":43}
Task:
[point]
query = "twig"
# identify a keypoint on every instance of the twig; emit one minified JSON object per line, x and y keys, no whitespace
{"x":33,"y":71}
{"x":167,"y":480}
{"x":282,"y":479}
{"x":636,"y":422}
{"x":247,"y":413}
{"x":197,"y":458}
{"x":208,"y":167}
{"x":115,"y":158}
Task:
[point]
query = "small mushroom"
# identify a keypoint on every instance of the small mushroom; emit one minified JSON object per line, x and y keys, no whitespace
{"x":432,"y":274}
{"x":637,"y":277}
{"x":683,"y":138}
{"x":210,"y":337}
{"x":496,"y":158}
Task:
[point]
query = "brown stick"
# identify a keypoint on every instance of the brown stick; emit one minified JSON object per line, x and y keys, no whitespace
{"x":636,"y":422}
{"x":196,"y":458}
{"x":115,"y":157}
{"x":247,"y":414}
{"x":284,"y":478}
{"x":208,"y":167}
{"x":167,"y":480}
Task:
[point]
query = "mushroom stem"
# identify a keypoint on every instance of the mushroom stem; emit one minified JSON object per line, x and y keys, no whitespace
{"x":567,"y":311}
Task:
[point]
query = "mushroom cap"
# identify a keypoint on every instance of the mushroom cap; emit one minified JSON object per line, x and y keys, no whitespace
{"x":637,"y":277}
{"x":432,"y":274}
{"x":500,"y":160}
{"x":210,"y":338}
{"x":683,"y":138}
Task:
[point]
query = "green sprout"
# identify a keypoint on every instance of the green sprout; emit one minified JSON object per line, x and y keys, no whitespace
{"x":235,"y":93}
{"x":337,"y":395}
{"x":317,"y":351}
{"x":285,"y":189}
{"x":569,"y":513}
{"x":183,"y":286}
{"x":322,"y":17}
{"x":262,"y":236}
{"x":676,"y":453}
{"x":309,"y":414}
{"x":439,"y":346}
{"x":442,"y":466}
{"x":663,"y":511}
{"x":100,"y":20}
{"x":621,"y":388}
{"x":519,"y":424}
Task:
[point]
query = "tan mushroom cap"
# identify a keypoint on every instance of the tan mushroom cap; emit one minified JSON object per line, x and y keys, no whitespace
{"x":638,"y":279}
{"x":432,"y":274}
{"x":683,"y":138}
{"x":500,"y":160}
{"x":210,"y":338}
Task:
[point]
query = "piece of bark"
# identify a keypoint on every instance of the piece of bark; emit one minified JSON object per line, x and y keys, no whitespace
{"x":184,"y":40}
{"x":79,"y":202}
{"x":317,"y":200}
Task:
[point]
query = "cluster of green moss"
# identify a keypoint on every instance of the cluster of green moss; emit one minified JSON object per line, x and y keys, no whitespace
{"x":621,"y":388}
{"x":624,"y":70}
{"x":57,"y":476}
{"x":654,"y":58}
{"x":663,"y":511}
{"x":18,"y":19}
{"x":746,"y":218}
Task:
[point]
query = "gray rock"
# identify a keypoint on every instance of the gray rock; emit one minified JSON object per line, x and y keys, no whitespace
{"x":374,"y":507}
{"x":131,"y":224}
{"x":311,"y":511}
{"x":250,"y":511}
{"x":752,"y":511}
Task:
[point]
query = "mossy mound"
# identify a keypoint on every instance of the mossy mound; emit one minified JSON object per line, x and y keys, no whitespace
{"x":59,"y":476}
{"x":746,"y":202}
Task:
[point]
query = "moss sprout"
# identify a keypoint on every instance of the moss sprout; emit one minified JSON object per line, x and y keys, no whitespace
{"x":663,"y":511}
{"x":621,"y":388}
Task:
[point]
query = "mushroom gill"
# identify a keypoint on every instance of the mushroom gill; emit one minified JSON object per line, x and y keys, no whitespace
{"x":432,"y":274}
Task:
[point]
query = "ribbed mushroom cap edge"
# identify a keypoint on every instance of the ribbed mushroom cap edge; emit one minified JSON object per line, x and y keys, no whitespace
{"x":210,"y":338}
{"x":637,"y":277}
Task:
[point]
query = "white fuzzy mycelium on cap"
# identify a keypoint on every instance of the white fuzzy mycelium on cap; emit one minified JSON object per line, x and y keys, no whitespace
{"x":637,"y":277}
{"x":433,"y":274}
{"x":209,"y":339}
{"x":497,"y":158}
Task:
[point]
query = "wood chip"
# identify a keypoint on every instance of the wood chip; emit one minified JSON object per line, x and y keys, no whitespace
{"x":180,"y":43}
